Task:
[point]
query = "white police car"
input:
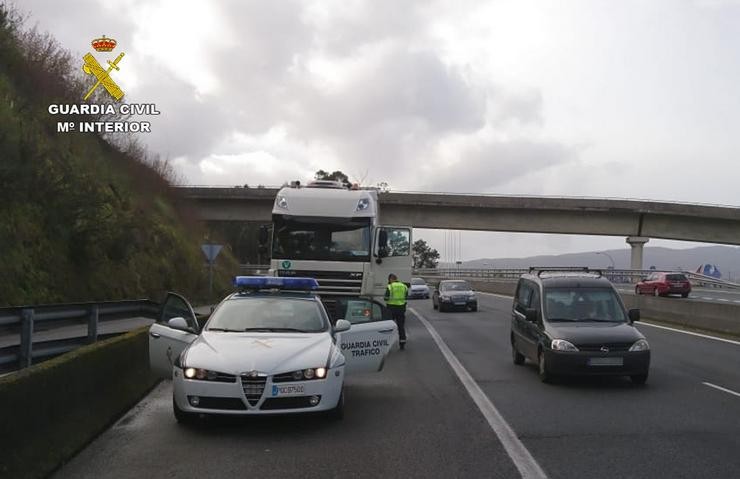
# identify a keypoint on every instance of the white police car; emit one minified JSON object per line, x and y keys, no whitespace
{"x":268,"y":349}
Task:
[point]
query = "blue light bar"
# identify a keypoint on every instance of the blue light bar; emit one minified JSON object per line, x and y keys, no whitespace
{"x":274,"y":282}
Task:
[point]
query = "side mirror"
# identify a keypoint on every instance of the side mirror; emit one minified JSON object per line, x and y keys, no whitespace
{"x":530,"y":315}
{"x":179,"y":323}
{"x":263,"y":236}
{"x":342,"y":325}
{"x":634,"y":315}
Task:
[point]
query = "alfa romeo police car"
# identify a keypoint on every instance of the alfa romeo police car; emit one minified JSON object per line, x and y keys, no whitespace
{"x":268,"y":349}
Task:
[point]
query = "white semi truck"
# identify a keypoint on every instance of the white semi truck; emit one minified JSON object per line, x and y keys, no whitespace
{"x":326,"y":231}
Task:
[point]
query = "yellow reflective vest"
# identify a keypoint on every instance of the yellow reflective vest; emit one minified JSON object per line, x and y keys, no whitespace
{"x":397,"y":294}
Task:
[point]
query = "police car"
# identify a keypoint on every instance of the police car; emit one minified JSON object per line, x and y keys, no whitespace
{"x":268,"y":349}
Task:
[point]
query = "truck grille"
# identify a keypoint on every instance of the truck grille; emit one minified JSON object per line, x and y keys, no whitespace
{"x":332,"y":282}
{"x":253,"y":387}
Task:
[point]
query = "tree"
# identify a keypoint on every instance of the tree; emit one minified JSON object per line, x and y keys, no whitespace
{"x":423,"y":255}
{"x":333,"y":176}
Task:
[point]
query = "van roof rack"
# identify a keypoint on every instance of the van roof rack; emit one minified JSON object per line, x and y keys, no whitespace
{"x":564,"y":269}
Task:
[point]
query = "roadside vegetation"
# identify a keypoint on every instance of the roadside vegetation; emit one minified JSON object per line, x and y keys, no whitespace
{"x":82,"y":216}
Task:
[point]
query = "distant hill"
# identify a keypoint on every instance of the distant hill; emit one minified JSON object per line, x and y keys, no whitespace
{"x":727,"y":258}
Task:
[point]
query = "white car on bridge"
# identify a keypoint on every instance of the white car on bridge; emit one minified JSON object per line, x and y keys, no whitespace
{"x":265,"y":350}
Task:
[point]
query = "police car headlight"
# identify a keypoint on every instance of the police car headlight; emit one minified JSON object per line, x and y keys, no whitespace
{"x":297,"y":375}
{"x":201,"y":374}
{"x":562,"y":345}
{"x":309,"y":373}
{"x":320,"y":373}
{"x":640,"y":345}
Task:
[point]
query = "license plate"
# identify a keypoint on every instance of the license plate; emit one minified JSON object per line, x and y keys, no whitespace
{"x":287,"y":390}
{"x":610,"y":361}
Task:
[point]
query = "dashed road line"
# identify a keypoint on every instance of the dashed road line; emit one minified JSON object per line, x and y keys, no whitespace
{"x":720,"y":388}
{"x":520,"y":455}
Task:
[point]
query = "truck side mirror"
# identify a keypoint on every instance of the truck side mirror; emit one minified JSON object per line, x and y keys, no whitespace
{"x":382,"y":243}
{"x":263,"y":235}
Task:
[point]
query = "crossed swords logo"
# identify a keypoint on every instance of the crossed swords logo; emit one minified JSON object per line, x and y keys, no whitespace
{"x":92,"y":67}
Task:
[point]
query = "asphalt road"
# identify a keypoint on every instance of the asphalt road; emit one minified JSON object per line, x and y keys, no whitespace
{"x":415,"y":419}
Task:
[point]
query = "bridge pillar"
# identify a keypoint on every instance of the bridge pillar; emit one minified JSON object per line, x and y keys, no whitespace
{"x":637,"y":243}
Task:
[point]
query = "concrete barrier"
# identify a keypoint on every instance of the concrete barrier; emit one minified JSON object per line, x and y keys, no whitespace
{"x":715,"y":317}
{"x":53,"y":409}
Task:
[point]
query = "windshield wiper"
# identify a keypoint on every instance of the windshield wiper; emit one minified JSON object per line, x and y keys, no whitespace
{"x":224,"y":330}
{"x":564,"y":320}
{"x":599,"y":320}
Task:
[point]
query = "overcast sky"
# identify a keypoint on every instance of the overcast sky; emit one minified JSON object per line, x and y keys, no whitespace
{"x":637,"y":99}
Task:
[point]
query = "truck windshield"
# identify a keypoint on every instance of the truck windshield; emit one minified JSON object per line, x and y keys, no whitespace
{"x":325,"y":239}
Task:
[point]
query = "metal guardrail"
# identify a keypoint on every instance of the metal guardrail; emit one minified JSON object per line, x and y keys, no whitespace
{"x":23,"y":319}
{"x":614,"y":275}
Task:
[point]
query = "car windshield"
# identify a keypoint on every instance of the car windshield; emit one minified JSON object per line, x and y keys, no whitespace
{"x":418,"y":282}
{"x":454,"y":286}
{"x":583,"y":304}
{"x":268,"y":314}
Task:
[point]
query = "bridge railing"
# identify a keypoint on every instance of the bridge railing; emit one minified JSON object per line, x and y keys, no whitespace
{"x":24,"y":321}
{"x":623,"y":276}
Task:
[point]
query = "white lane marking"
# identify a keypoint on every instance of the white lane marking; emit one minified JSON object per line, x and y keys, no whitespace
{"x":522,"y":458}
{"x":723,"y":299}
{"x":736,"y":300}
{"x":706,"y":336}
{"x":707,"y":298}
{"x":720,"y":388}
{"x":495,"y":294}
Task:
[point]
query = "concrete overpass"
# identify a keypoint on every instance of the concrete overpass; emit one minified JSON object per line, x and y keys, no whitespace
{"x":637,"y":220}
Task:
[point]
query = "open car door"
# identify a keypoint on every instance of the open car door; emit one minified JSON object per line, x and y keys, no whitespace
{"x":165,"y":342}
{"x":371,"y":336}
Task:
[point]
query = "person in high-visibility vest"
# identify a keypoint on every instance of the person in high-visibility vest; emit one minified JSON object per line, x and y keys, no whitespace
{"x":395,"y":298}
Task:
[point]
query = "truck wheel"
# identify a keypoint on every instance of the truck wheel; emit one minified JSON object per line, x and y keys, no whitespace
{"x":516,"y":355}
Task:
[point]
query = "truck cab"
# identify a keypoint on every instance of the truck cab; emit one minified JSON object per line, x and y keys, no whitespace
{"x":331,"y":233}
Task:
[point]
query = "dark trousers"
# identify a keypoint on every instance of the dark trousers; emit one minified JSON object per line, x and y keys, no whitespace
{"x":398,"y":313}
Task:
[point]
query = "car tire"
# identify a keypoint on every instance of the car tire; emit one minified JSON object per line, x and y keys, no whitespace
{"x":337,"y":414}
{"x":684,"y":295}
{"x":639,"y":379}
{"x":474,"y":308}
{"x":441,"y":308}
{"x":183,"y":417}
{"x":516,"y":355}
{"x":545,"y":375}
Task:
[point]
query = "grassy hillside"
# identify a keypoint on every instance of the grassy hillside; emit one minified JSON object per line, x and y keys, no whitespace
{"x":80,"y":218}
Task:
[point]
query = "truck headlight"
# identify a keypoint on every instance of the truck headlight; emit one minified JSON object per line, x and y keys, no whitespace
{"x":640,"y":345}
{"x":363,"y":204}
{"x":562,"y":345}
{"x":281,"y":202}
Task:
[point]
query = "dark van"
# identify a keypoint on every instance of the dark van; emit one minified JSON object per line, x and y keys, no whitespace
{"x":573,"y":322}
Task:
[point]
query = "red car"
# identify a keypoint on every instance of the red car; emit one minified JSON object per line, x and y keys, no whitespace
{"x":663,"y":284}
